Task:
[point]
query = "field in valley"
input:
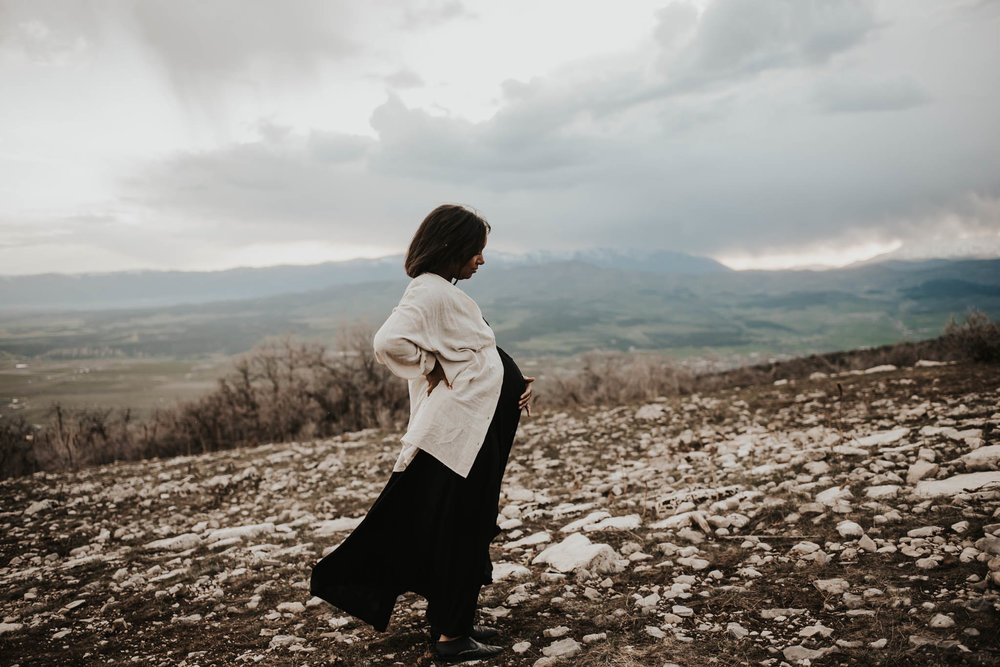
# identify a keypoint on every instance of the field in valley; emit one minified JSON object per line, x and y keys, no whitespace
{"x":31,"y":387}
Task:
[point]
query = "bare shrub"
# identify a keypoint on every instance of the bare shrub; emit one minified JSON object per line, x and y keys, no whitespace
{"x":286,"y":389}
{"x":613,"y":378}
{"x":617,"y":378}
{"x":975,"y":339}
{"x":17,"y":447}
{"x":282,"y":390}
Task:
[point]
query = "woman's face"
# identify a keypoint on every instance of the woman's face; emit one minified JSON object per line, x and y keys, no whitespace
{"x":469,"y":268}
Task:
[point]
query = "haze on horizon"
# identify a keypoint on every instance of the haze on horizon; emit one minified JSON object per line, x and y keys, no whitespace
{"x":766,"y":134}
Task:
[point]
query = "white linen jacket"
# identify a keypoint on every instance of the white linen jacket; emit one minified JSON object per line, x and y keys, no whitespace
{"x":437,"y":321}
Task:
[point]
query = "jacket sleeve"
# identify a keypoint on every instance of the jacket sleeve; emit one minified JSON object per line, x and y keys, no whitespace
{"x":400,"y":343}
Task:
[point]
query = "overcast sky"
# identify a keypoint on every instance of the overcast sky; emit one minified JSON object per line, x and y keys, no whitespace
{"x":764,"y":133}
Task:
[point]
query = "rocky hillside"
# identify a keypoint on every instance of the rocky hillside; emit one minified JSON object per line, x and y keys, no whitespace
{"x":839,"y":520}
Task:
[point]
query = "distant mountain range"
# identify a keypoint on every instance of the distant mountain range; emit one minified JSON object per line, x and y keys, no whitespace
{"x":538,"y":306}
{"x":977,"y":247}
{"x":132,"y":289}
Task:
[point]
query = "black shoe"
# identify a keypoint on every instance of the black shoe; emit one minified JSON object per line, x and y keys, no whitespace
{"x":463,"y":649}
{"x":479,"y":632}
{"x":483,"y":632}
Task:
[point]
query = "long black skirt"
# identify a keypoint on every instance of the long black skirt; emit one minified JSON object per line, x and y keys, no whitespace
{"x":428,"y":532}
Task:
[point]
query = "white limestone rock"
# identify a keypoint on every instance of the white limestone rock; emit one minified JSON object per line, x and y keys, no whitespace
{"x":817,"y":467}
{"x":797,"y":653}
{"x":39,"y":506}
{"x":682,"y":611}
{"x":882,"y":438}
{"x":940,"y":621}
{"x":736,"y":631}
{"x":564,"y":648}
{"x":693,"y":562}
{"x":578,"y":552}
{"x":815,"y":629}
{"x":505,"y":571}
{"x":628,"y":522}
{"x":984,"y":458}
{"x":334,"y":526}
{"x":833,"y":495}
{"x":928,"y":563}
{"x":952,"y":486}
{"x":530,"y":540}
{"x":850,"y":529}
{"x":279,"y":641}
{"x":176,"y":543}
{"x":650,"y":411}
{"x":920,"y":469}
{"x":770,"y":614}
{"x":519,"y":495}
{"x":882,"y":491}
{"x":684,"y":520}
{"x":592,"y":518}
{"x":833,"y":586}
{"x":989,"y":544}
{"x":241,"y":532}
{"x":10,"y":627}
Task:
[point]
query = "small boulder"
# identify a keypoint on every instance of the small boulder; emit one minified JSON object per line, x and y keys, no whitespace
{"x":832,"y":586}
{"x":850,"y":529}
{"x":564,"y":648}
{"x":919,"y":470}
{"x":578,"y":552}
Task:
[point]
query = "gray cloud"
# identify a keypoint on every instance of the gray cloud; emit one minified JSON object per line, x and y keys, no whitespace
{"x":50,"y":31}
{"x":734,"y":146}
{"x":418,"y":15}
{"x":192,"y":39}
{"x":509,"y":152}
{"x":403,"y":78}
{"x":853,"y":95}
{"x":200,"y":44}
{"x":737,"y":38}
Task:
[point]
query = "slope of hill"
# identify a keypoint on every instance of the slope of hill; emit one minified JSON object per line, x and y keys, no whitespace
{"x":853,"y":519}
{"x":563,"y":308}
{"x":143,"y":289}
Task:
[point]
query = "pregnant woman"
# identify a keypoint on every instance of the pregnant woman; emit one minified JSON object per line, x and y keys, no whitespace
{"x":430,"y":529}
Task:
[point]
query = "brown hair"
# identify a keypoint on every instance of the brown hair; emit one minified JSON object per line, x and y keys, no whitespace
{"x":448,"y":237}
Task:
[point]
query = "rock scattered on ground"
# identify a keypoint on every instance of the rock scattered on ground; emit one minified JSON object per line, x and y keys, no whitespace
{"x":850,"y":518}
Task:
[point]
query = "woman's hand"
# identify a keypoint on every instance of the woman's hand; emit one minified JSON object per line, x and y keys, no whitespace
{"x":523,"y":402}
{"x":435,"y":377}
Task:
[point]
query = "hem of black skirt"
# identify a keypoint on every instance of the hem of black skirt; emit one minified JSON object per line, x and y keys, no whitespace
{"x":379,"y":623}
